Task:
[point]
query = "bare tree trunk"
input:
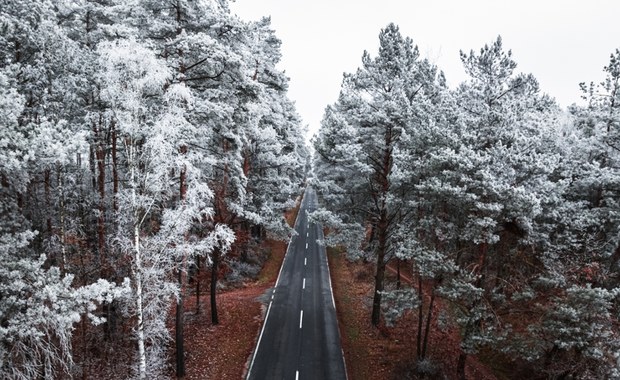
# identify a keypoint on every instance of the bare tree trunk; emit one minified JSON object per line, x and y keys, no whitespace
{"x":460,"y":367}
{"x":139,"y":306}
{"x":382,"y":179}
{"x":179,"y":337}
{"x":114,"y":166}
{"x":429,"y":316}
{"x":48,"y":200}
{"x":380,"y":274}
{"x":180,"y":349}
{"x":85,"y":368}
{"x":221,"y":211}
{"x":398,"y":284}
{"x":137,"y":270}
{"x":471,"y":324}
{"x":61,"y":195}
{"x":214,"y":274}
{"x":100,"y":157}
{"x":91,"y":164}
{"x":197,"y":285}
{"x":420,"y":318}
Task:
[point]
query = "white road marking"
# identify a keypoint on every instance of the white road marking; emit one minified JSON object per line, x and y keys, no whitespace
{"x":305,"y":261}
{"x":296,"y":375}
{"x":306,"y":245}
{"x":301,"y":319}
{"x":303,"y":286}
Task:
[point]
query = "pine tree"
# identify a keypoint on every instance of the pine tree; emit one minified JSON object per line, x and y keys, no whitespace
{"x":384,"y":103}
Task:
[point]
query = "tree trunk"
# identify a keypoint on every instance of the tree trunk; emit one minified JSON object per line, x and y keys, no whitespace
{"x":420,"y":319}
{"x":91,"y":164}
{"x":84,"y":361}
{"x":180,"y":349}
{"x":382,"y":179}
{"x":197,"y":285}
{"x":380,"y":275}
{"x":137,"y":271}
{"x":214,"y":275}
{"x":100,"y":157}
{"x":139,"y":305}
{"x":482,"y":265}
{"x":48,"y":200}
{"x":460,"y":367}
{"x":429,"y":316}
{"x":114,"y":167}
{"x":63,"y":245}
{"x":398,"y":274}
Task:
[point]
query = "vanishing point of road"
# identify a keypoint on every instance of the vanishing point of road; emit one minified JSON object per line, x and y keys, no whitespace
{"x":300,"y":338}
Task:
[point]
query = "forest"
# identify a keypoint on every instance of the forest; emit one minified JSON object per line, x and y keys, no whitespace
{"x":147,"y":144}
{"x":141,"y":142}
{"x":503,"y":206}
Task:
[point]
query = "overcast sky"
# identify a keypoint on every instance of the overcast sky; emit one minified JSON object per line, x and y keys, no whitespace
{"x":561,"y":42}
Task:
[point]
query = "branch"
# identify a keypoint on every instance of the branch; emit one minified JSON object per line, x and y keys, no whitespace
{"x":188,"y":68}
{"x":216,"y":76}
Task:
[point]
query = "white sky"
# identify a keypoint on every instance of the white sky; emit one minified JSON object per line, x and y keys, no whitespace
{"x":561,"y":42}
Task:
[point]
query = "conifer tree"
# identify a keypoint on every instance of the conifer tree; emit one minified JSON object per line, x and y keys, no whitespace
{"x":383,"y":104}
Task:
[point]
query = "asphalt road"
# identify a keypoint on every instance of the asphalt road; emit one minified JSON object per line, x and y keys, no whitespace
{"x":300,"y":339}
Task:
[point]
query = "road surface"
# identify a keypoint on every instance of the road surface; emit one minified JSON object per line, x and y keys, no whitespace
{"x":300,"y":339}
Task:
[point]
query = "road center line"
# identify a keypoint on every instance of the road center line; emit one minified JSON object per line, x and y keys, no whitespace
{"x":305,"y":260}
{"x":306,"y":245}
{"x":303,"y":286}
{"x":301,"y":319}
{"x":296,"y":375}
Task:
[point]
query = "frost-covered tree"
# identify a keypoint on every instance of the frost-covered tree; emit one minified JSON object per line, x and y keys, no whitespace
{"x":275,"y":153}
{"x":87,"y":124}
{"x":42,"y":60}
{"x":152,"y":126}
{"x":381,"y":107}
{"x":39,"y":304}
{"x":575,"y":332}
{"x":229,"y":67}
{"x":498,"y":180}
{"x":598,"y":124}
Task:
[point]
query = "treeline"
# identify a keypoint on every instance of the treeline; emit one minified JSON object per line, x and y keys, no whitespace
{"x":506,"y":206}
{"x":141,"y":142}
